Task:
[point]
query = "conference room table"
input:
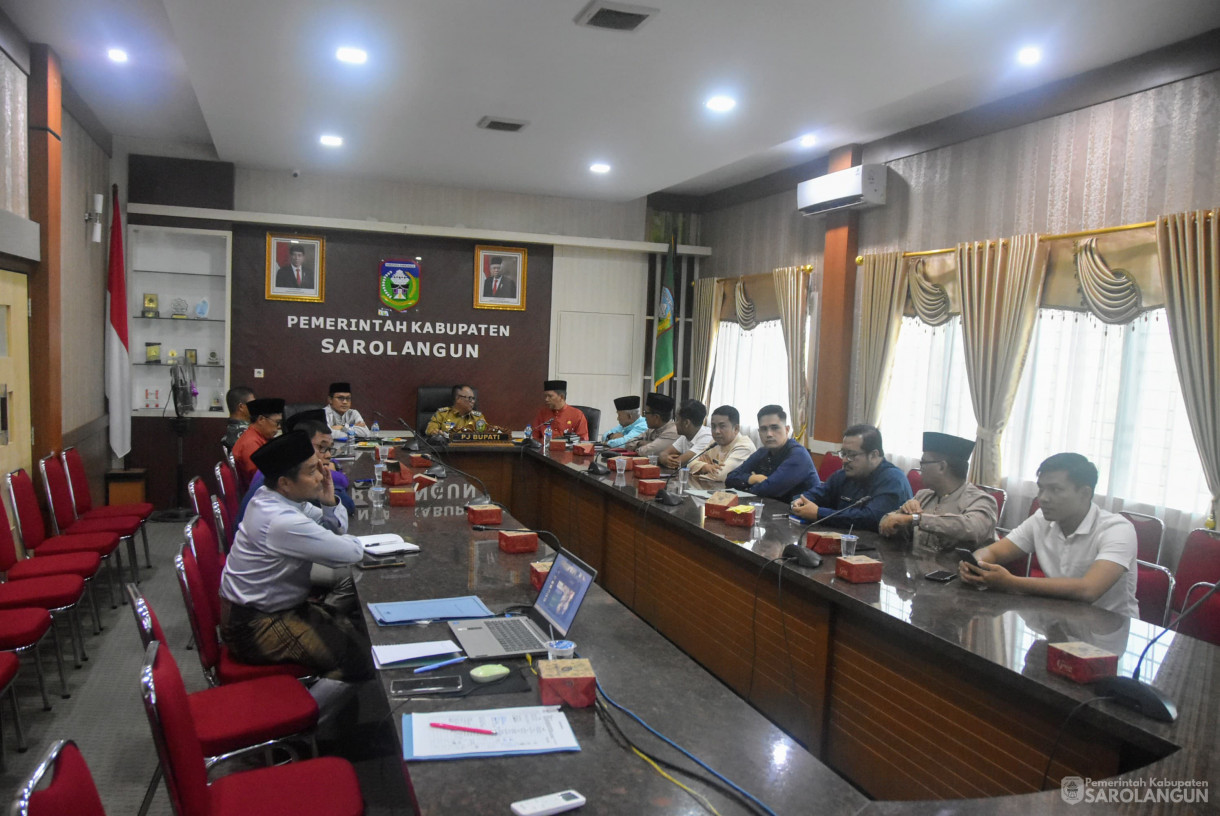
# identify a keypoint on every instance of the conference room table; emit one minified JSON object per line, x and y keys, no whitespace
{"x":926,"y":697}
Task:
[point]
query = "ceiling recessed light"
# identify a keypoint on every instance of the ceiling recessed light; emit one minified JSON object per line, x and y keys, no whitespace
{"x":721,"y":104}
{"x":356,"y":56}
{"x":599,"y":167}
{"x":332,"y":141}
{"x":117,"y":55}
{"x":1029,"y":55}
{"x":809,"y":140}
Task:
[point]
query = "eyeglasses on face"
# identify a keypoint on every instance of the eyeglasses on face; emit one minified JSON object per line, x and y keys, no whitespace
{"x":848,"y":455}
{"x":923,"y":463}
{"x":467,"y":397}
{"x":342,"y":397}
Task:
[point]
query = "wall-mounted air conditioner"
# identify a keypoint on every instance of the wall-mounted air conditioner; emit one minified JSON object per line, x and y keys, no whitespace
{"x":856,"y":187}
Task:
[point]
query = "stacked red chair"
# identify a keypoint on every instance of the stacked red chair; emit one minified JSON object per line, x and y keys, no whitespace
{"x":226,"y":482}
{"x":63,"y":513}
{"x":78,"y":485}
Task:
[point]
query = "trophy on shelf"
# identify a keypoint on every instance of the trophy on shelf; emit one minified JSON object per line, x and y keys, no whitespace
{"x":178,"y":305}
{"x":213,"y":360}
{"x":173,"y":357}
{"x":152,"y":352}
{"x":217,"y":403}
{"x":201,"y":309}
{"x":192,"y":356}
{"x":150,"y":306}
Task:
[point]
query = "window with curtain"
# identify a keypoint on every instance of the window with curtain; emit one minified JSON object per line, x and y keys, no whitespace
{"x":751,"y":370}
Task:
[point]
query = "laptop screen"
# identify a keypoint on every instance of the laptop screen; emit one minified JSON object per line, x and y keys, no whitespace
{"x":565,"y":588}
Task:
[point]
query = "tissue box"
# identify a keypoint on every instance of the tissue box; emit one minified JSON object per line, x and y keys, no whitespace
{"x":484,"y":513}
{"x":620,"y":463}
{"x":393,"y":454}
{"x":741,"y":515}
{"x":423,"y":480}
{"x":824,"y":543}
{"x":649,"y":487}
{"x":539,"y":570}
{"x":639,"y":460}
{"x":858,"y":569}
{"x":558,"y":445}
{"x":401,"y":496}
{"x":420,"y":461}
{"x":393,"y":478}
{"x":569,"y":682}
{"x":512,"y":541}
{"x":1079,"y":661}
{"x":583,"y":449}
{"x":718,"y":504}
{"x":647,"y":471}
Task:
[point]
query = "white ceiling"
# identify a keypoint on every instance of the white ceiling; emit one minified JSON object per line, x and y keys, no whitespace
{"x":258,"y":79}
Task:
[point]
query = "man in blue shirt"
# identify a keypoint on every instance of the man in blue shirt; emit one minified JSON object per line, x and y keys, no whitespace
{"x":781,"y":468}
{"x":865,"y":472}
{"x":630,"y":424}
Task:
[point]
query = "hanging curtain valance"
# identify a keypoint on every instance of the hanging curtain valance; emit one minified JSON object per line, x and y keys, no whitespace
{"x":1111,"y":294}
{"x":744,"y":307}
{"x":930,"y":300}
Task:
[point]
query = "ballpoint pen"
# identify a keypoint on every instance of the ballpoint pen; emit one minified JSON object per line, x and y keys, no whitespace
{"x":440,"y":665}
{"x":466,"y":728}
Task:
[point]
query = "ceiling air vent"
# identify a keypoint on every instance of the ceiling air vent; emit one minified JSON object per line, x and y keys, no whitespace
{"x":499,"y":123}
{"x":614,"y":16}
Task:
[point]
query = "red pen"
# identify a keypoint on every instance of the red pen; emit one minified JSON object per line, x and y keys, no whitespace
{"x":449,"y":727}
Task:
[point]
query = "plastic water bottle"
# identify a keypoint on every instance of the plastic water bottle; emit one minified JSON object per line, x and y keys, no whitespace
{"x":547,"y":435}
{"x":376,"y":426}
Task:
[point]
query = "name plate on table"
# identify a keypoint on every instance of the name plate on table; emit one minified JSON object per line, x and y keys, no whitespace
{"x":480,"y":436}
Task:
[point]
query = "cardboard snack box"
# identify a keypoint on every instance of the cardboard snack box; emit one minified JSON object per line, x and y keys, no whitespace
{"x":858,"y":569}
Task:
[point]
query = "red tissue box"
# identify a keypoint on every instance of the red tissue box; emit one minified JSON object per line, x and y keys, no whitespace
{"x":393,"y":454}
{"x":513,"y":541}
{"x":423,"y":480}
{"x":558,"y":445}
{"x":639,"y":460}
{"x":393,"y":478}
{"x":539,"y":570}
{"x":858,"y":569}
{"x":419,"y":460}
{"x":824,"y":543}
{"x":718,"y":504}
{"x":740,"y":516}
{"x":649,"y":487}
{"x":621,"y":463}
{"x":583,"y":449}
{"x":1079,"y":661}
{"x":401,"y":496}
{"x":484,"y":513}
{"x":647,"y":471}
{"x":569,"y":682}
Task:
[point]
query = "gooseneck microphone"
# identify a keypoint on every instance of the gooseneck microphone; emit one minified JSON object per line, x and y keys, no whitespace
{"x":413,"y":445}
{"x":806,"y":557}
{"x":1131,"y":692}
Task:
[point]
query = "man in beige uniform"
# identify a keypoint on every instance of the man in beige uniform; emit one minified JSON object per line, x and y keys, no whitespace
{"x":731,"y":448}
{"x":950,"y":511}
{"x":662,"y":431}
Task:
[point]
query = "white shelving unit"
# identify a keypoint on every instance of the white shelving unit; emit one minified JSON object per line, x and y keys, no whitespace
{"x":192,"y":264}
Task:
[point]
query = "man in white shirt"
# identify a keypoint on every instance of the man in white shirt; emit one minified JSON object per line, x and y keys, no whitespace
{"x":731,"y":448}
{"x":339,"y":411}
{"x":693,"y":436}
{"x":1088,"y":554}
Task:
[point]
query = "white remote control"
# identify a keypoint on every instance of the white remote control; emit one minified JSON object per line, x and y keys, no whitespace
{"x":551,"y":803}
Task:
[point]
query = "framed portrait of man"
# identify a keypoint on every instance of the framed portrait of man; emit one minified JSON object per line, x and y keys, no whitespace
{"x":499,"y":278}
{"x":296,"y":267}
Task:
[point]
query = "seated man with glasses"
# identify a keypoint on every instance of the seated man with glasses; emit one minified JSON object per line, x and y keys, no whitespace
{"x":865,"y":473}
{"x":340,"y":415}
{"x":949,"y":511}
{"x":662,"y":430}
{"x":781,"y":468}
{"x":460,"y":416}
{"x":266,"y":416}
{"x":313,"y":423}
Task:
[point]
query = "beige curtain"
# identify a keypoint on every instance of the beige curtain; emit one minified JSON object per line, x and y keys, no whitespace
{"x":1000,"y":285}
{"x":929,"y":300}
{"x":883,"y":294}
{"x":709,"y":297}
{"x":747,"y":315}
{"x":792,"y":294}
{"x":1111,"y":294}
{"x":1189,"y":249}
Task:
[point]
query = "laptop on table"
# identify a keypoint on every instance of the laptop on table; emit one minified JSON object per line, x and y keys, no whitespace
{"x":553,"y":612}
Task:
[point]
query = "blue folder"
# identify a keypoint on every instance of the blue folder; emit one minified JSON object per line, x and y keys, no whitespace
{"x":459,"y":608}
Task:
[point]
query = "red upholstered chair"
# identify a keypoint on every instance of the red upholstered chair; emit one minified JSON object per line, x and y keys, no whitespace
{"x":1200,"y":561}
{"x":70,"y":791}
{"x":9,"y":664}
{"x":21,"y":630}
{"x":316,"y":786}
{"x":209,"y":560}
{"x":226,"y":528}
{"x":242,"y":717}
{"x":219,"y":667}
{"x":915,"y":479}
{"x":226,"y":481}
{"x":1149,"y":530}
{"x":78,"y":484}
{"x":999,"y":494}
{"x":831,"y":464}
{"x":1204,"y":622}
{"x":201,"y":503}
{"x":34,"y":534}
{"x":58,"y":594}
{"x":63,"y":513}
{"x":1153,"y":589}
{"x":16,"y":568}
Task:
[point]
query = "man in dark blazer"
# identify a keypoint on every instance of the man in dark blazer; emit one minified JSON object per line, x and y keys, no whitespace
{"x":296,"y":274}
{"x":498,"y":284}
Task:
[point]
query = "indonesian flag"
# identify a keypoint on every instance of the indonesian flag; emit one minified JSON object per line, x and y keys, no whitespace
{"x":118,"y":358}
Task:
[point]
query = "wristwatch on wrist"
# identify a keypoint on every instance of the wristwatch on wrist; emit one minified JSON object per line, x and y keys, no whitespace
{"x":915,"y":519}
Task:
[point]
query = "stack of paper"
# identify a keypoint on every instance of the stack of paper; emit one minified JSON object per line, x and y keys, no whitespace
{"x":466,"y":606}
{"x":526,"y":730}
{"x":394,"y":653}
{"x":386,"y":544}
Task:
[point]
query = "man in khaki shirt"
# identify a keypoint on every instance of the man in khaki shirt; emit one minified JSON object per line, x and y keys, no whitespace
{"x":659,"y":414}
{"x":729,"y":450}
{"x":950,"y":511}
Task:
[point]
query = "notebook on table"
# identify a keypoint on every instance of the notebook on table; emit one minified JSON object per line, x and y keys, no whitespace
{"x":553,"y":611}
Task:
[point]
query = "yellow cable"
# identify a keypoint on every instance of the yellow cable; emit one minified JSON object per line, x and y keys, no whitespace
{"x":698,"y":797}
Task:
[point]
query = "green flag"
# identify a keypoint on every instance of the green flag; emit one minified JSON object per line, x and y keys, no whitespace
{"x":663,"y":349}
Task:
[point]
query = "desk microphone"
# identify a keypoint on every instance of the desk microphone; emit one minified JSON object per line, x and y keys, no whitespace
{"x":413,"y":445}
{"x":1131,"y":692}
{"x":806,"y":557}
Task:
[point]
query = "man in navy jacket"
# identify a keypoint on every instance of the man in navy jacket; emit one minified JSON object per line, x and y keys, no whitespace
{"x":781,"y":468}
{"x":865,"y":472}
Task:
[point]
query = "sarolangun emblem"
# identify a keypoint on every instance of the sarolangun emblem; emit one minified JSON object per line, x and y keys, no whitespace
{"x":399,"y":284}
